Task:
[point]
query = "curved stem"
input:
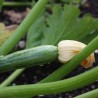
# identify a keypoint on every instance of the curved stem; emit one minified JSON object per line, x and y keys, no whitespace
{"x":90,"y":94}
{"x":51,"y":88}
{"x":23,"y":27}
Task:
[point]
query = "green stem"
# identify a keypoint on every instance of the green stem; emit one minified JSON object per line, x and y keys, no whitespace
{"x":11,"y":77}
{"x":23,"y":28}
{"x":51,"y":88}
{"x":90,"y":94}
{"x":17,"y":4}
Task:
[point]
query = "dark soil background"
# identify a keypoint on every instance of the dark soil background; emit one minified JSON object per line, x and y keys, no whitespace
{"x":35,"y":74}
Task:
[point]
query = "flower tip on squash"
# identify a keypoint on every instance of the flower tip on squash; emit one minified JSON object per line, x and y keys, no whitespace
{"x":67,"y":49}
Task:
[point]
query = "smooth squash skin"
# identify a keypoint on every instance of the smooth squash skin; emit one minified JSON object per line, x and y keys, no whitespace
{"x":29,"y":57}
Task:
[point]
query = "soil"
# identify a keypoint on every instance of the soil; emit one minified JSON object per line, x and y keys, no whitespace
{"x":35,"y":74}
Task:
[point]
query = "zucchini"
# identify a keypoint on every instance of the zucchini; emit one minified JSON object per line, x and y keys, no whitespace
{"x":29,"y":57}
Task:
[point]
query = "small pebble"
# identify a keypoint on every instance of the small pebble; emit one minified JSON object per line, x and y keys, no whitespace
{"x":14,"y":84}
{"x":93,"y":86}
{"x":23,"y":75}
{"x":96,"y":51}
{"x":35,"y":77}
{"x":60,"y":97}
{"x":21,"y":44}
{"x":70,"y":96}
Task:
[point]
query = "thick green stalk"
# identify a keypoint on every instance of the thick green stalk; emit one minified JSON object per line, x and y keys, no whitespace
{"x":23,"y":28}
{"x":51,"y":88}
{"x":17,"y":4}
{"x":90,"y":94}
